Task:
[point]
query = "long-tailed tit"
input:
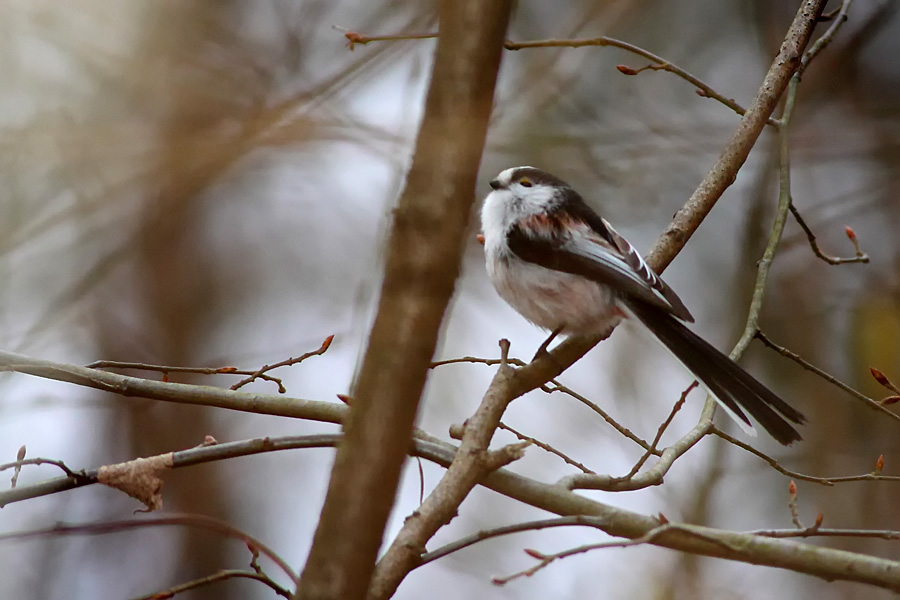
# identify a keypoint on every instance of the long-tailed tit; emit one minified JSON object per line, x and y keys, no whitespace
{"x":565,"y":269}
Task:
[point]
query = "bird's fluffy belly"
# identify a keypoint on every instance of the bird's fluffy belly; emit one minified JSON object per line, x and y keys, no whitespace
{"x":552,"y":299}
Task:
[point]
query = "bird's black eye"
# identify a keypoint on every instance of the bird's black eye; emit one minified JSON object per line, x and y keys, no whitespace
{"x":525,"y":182}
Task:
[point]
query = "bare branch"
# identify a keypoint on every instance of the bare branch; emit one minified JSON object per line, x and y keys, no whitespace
{"x":199,"y":521}
{"x":885,"y":534}
{"x":839,"y":19}
{"x":551,"y":386}
{"x":828,"y":481}
{"x":264,"y":404}
{"x":469,"y":466}
{"x":253,"y":374}
{"x":873,"y":404}
{"x":38,"y":461}
{"x":657,"y":62}
{"x":650,"y":477}
{"x":223,"y":575}
{"x":661,"y":430}
{"x":861,"y":257}
{"x":285,"y":363}
{"x":544,"y":446}
{"x":822,"y":562}
{"x":182,"y":458}
{"x":554,"y":386}
{"x":723,"y":174}
{"x":546,"y":559}
{"x":576,"y":520}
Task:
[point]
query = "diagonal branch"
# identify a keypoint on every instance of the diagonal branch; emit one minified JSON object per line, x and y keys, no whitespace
{"x":469,"y":466}
{"x":873,"y":404}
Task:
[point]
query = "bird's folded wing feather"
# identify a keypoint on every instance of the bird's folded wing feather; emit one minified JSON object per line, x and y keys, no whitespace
{"x":594,"y":251}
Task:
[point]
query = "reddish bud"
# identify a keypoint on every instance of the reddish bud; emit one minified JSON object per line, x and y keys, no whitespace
{"x":227,"y":369}
{"x":819,"y":518}
{"x":353,"y":38}
{"x":792,"y":488}
{"x":663,"y":520}
{"x":327,"y":343}
{"x":879,"y":464}
{"x":535,"y":554}
{"x":850,"y":233}
{"x":889,"y":400}
{"x":165,"y":378}
{"x":344,"y":398}
{"x":880,"y":377}
{"x":480,"y":238}
{"x":626,"y":70}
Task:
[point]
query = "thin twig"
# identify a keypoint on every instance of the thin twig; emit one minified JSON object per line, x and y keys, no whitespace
{"x":861,"y":257}
{"x":827,"y":481}
{"x":885,"y":534}
{"x":652,"y":476}
{"x":185,"y":520}
{"x":166,"y":369}
{"x":285,"y":363}
{"x":660,"y":431}
{"x":553,"y":385}
{"x":222,"y":575}
{"x":658,"y":63}
{"x":544,"y":446}
{"x":486,"y":534}
{"x":546,"y":559}
{"x":41,"y":461}
{"x":253,"y":402}
{"x":873,"y":404}
{"x":252,"y":375}
{"x":649,"y":537}
{"x":827,"y":37}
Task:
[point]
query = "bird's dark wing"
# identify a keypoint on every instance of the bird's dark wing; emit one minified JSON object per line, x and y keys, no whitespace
{"x":584,"y":244}
{"x":637,"y":264}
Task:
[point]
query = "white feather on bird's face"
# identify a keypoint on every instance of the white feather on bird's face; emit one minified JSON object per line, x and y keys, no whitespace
{"x":513,"y":198}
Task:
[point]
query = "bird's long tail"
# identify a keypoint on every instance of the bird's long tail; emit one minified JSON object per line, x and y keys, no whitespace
{"x":733,"y":387}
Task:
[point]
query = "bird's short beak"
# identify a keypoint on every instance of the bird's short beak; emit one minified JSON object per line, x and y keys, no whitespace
{"x":495,"y":184}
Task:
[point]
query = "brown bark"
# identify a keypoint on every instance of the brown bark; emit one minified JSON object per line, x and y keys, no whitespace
{"x":422,"y":267}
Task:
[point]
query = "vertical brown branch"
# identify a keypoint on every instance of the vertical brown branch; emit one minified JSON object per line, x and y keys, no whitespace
{"x":422,"y":266}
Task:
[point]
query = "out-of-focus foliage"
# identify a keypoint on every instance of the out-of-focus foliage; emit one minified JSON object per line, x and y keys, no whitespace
{"x":208,"y":183}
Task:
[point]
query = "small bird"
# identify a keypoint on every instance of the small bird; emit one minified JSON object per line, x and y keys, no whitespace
{"x":565,"y":269}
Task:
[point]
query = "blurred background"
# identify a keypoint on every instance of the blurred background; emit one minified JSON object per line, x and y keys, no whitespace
{"x":209,"y":183}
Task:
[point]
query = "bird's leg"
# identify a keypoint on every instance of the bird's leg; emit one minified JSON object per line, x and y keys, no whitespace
{"x":543,"y":349}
